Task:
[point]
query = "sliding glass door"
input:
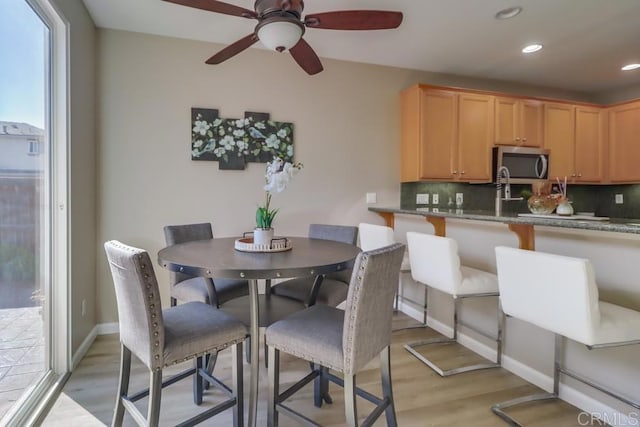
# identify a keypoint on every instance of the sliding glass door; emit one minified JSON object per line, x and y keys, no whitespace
{"x":30,"y":183}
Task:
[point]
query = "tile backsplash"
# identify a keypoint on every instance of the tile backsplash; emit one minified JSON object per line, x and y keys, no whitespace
{"x":599,"y":199}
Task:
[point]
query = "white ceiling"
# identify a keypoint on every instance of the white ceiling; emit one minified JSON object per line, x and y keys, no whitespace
{"x":585,"y":41}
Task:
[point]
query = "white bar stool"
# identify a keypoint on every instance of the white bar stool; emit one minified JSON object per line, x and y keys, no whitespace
{"x":435,"y":263}
{"x":563,"y":301}
{"x":374,"y":236}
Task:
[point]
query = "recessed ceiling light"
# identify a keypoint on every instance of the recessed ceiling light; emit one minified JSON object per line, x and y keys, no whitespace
{"x":509,"y":12}
{"x":532,"y":48}
{"x":630,"y":67}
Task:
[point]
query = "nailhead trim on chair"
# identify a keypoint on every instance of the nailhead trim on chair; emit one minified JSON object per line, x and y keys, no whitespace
{"x":153,"y":313}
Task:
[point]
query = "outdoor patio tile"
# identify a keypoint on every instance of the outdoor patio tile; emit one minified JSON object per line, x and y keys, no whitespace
{"x":33,"y":355}
{"x":17,"y":382}
{"x":20,"y":343}
{"x":28,"y":368}
{"x":11,"y":356}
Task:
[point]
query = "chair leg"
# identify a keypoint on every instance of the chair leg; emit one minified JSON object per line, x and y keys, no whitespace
{"x":321,"y":386}
{"x":350,"y":400}
{"x":197,"y":381}
{"x":499,"y":408}
{"x":411,"y":348}
{"x":274,"y":387}
{"x":155,"y":394}
{"x":211,"y":360}
{"x":123,"y":385}
{"x":238,"y":390}
{"x":387,"y":390}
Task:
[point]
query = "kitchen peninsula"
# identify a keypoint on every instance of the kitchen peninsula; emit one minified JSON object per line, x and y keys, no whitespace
{"x":523,"y":226}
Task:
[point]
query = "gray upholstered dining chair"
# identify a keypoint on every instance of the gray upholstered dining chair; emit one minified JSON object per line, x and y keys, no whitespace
{"x":344,"y":341}
{"x":330,"y":289}
{"x":160,"y":338}
{"x":185,"y":287}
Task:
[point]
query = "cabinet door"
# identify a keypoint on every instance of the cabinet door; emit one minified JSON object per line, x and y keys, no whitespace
{"x":475,"y":136}
{"x":624,"y":150}
{"x":410,"y":134}
{"x":428,"y":133}
{"x":531,"y":119}
{"x":589,"y":146}
{"x":438,"y":134}
{"x":559,"y":137}
{"x":507,"y":116}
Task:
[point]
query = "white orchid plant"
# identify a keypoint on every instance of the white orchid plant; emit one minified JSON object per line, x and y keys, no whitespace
{"x":279,"y":174}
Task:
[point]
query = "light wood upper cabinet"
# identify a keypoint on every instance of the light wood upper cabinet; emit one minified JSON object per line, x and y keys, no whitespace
{"x":429,"y":133}
{"x":446,"y":135}
{"x":518,"y":122}
{"x":624,"y":147}
{"x":590,"y":147}
{"x":475,"y":137}
{"x":575,"y":136}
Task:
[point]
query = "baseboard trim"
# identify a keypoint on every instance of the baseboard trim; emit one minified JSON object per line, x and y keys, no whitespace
{"x":99,"y":329}
{"x":108,"y":328}
{"x":84,"y":347}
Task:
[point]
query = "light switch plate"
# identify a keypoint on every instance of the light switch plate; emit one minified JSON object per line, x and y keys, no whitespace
{"x":459,"y":199}
{"x":422,"y":199}
{"x":372,"y":198}
{"x":619,"y":199}
{"x":435,"y":198}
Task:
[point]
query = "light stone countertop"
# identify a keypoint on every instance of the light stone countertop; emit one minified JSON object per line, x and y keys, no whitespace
{"x":617,"y":225}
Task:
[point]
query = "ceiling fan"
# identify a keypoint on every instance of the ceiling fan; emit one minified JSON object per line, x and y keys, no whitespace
{"x":281,"y":26}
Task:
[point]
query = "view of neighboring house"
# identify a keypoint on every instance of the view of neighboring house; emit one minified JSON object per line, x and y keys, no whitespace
{"x":20,"y":171}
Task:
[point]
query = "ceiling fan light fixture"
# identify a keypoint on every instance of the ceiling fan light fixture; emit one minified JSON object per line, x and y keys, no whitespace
{"x":280,"y":35}
{"x":532,"y":48}
{"x":630,"y":67}
{"x":509,"y":12}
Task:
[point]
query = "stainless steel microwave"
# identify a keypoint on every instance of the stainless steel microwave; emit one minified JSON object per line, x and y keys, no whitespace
{"x":526,"y":165}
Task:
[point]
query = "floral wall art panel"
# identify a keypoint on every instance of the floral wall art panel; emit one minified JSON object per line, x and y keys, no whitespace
{"x":234,"y":142}
{"x":269,"y":138}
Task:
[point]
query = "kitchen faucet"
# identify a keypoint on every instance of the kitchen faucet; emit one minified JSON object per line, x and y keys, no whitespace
{"x":502,"y":177}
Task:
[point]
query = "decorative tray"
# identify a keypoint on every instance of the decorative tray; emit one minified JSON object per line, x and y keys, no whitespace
{"x":573,"y":217}
{"x":280,"y":244}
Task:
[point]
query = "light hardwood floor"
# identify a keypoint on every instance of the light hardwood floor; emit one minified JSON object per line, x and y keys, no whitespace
{"x":422,"y":398}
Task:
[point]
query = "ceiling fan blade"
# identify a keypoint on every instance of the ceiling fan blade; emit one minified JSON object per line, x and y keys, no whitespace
{"x":217,"y":6}
{"x":354,"y":20}
{"x":306,"y":57}
{"x":233,"y":49}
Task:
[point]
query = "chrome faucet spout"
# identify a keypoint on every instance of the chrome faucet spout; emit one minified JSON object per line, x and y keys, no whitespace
{"x":503,"y":177}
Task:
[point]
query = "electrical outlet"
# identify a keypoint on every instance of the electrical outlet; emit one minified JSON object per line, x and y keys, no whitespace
{"x":459,"y":199}
{"x":84,"y":307}
{"x":435,"y":198}
{"x":422,"y":199}
{"x":435,"y":210}
{"x":619,"y":199}
{"x":372,"y":198}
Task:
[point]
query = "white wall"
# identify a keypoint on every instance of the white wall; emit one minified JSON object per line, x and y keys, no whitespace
{"x":82,"y":165}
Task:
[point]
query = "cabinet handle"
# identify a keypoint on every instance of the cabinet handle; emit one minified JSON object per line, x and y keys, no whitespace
{"x":455,"y":172}
{"x":517,"y":138}
{"x":579,"y":175}
{"x":573,"y":174}
{"x":462,"y":173}
{"x":524,"y":139}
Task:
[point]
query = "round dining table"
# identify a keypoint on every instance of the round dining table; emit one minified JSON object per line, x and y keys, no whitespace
{"x":218,"y":258}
